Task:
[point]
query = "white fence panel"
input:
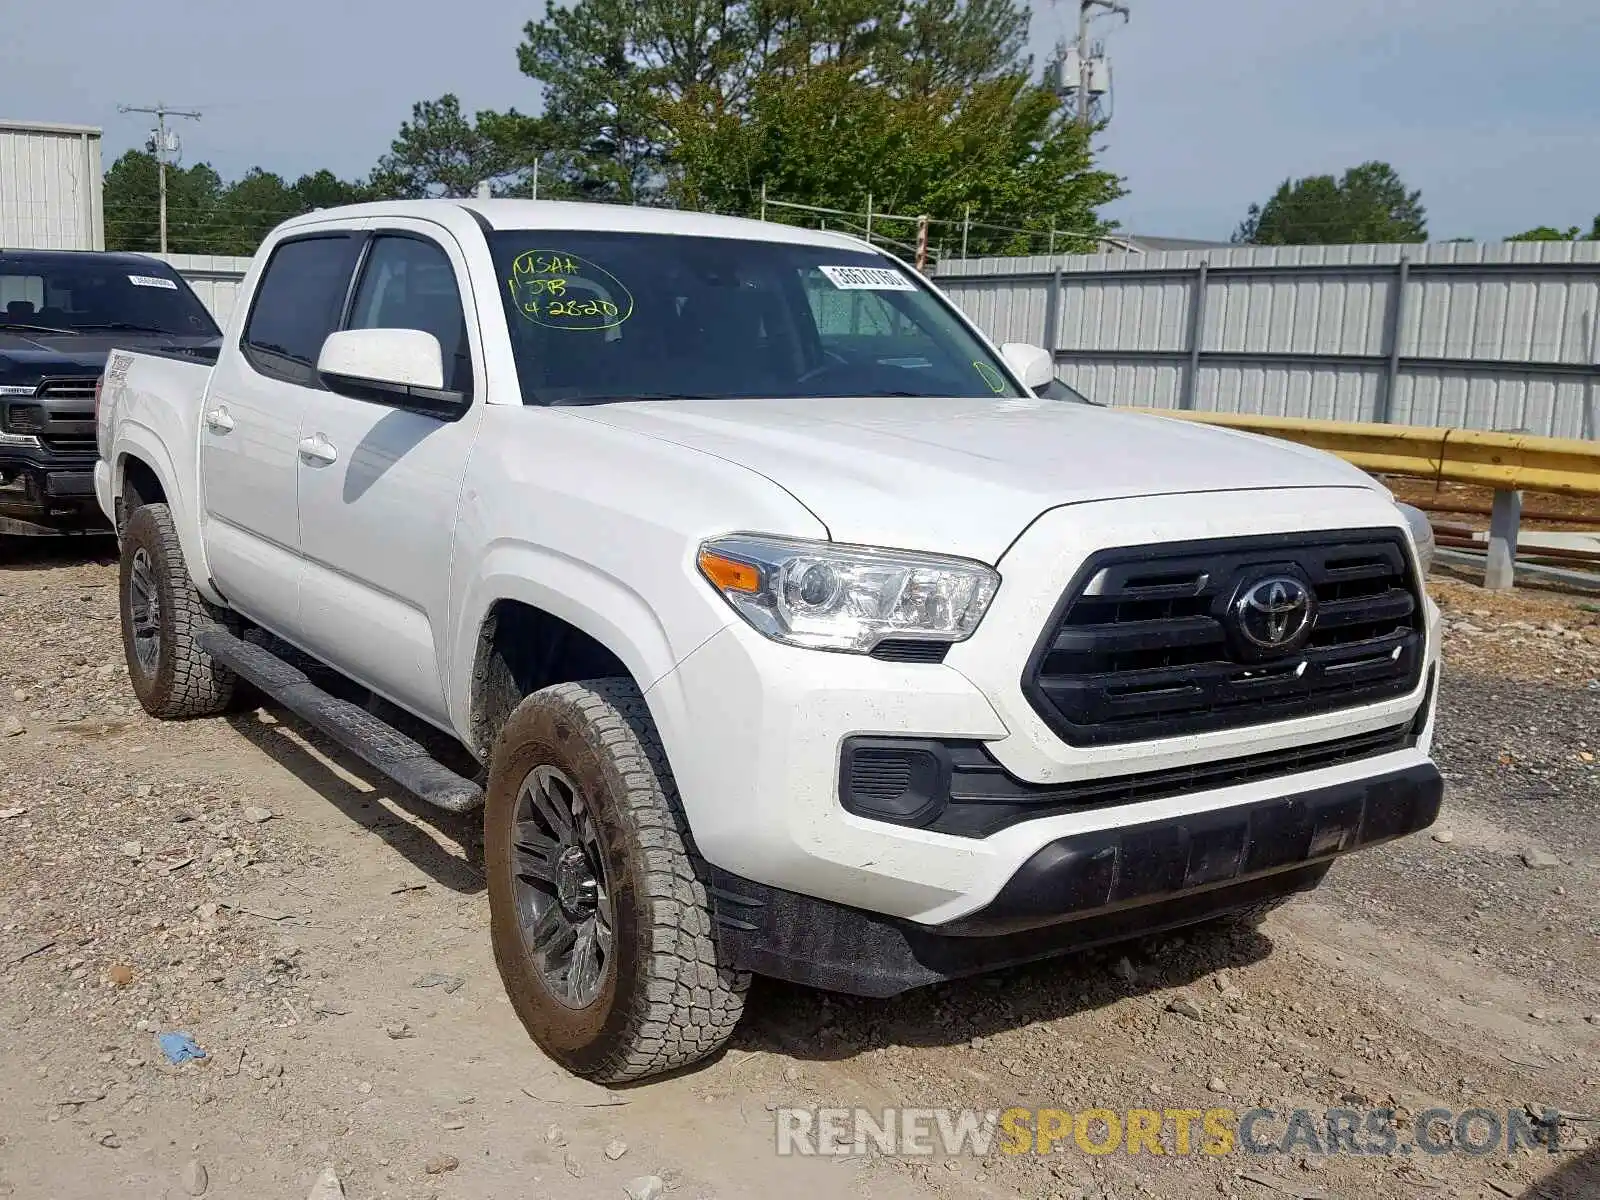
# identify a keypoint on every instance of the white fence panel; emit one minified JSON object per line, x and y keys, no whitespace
{"x":1498,"y":336}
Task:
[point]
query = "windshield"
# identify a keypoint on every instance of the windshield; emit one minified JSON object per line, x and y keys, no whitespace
{"x":74,"y":294}
{"x":596,"y":317}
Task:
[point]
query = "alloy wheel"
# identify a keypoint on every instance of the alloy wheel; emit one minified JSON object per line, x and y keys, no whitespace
{"x":563,"y":900}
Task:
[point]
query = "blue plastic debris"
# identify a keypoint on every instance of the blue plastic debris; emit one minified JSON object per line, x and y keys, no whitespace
{"x":179,"y":1047}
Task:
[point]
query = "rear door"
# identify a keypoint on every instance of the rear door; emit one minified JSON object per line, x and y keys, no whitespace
{"x":250,"y":425}
{"x":380,"y":492}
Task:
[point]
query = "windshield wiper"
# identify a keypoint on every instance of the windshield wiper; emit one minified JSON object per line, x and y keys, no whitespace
{"x":7,"y":326}
{"x":575,"y":401}
{"x":135,"y":327}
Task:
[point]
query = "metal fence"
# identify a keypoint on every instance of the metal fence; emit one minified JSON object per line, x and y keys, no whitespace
{"x":1500,"y":336}
{"x":214,"y":277}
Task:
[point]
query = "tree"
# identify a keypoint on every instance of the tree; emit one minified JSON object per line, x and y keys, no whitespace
{"x":1001,"y":147}
{"x":1546,"y":233}
{"x":441,"y":152}
{"x":204,"y":214}
{"x":324,"y":189}
{"x":925,"y":104}
{"x":248,"y":209}
{"x":130,"y":197}
{"x":603,"y":63}
{"x":1368,"y":203}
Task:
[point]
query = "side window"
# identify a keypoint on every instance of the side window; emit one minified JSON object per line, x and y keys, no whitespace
{"x":408,"y":283}
{"x":297,"y":306}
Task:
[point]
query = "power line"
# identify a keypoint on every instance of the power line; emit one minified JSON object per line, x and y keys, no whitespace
{"x":163,"y":147}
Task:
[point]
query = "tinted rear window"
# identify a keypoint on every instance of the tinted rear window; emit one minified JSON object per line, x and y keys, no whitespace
{"x":85,"y":293}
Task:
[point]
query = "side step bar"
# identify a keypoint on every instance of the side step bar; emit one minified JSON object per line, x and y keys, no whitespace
{"x":397,"y":756}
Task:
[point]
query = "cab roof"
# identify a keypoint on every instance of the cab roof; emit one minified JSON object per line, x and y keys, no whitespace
{"x":570,"y":215}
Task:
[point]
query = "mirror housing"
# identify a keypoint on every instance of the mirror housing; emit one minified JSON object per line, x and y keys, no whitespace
{"x":401,"y":368}
{"x":1034,"y":365}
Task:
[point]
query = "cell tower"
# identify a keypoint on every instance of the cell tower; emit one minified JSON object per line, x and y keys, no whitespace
{"x":1080,"y":72}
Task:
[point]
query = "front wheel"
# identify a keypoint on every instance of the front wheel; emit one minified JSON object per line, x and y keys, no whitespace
{"x":162,"y":618}
{"x":598,"y":908}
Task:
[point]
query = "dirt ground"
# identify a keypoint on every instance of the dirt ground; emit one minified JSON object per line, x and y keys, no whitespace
{"x":325,"y":942}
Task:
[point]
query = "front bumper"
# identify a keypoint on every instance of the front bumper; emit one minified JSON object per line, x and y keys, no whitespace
{"x":754,"y":729}
{"x":43,"y":491}
{"x":1078,"y":891}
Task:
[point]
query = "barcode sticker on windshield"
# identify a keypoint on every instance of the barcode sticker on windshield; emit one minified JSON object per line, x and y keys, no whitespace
{"x":152,"y":281}
{"x":869,"y":279}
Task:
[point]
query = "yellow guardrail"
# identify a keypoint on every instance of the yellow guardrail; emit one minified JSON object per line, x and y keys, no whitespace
{"x":1497,"y":460}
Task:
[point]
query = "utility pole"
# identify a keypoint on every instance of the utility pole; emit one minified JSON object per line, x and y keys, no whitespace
{"x":1077,"y":63}
{"x":1085,"y":63}
{"x":163,"y":147}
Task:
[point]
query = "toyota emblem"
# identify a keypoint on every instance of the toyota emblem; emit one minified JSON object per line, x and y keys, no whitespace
{"x":1274,"y":613}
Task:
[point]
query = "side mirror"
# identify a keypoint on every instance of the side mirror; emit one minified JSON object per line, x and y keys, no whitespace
{"x":402,"y":368}
{"x":1035,"y":365}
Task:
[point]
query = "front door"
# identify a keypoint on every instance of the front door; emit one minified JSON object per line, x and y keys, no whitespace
{"x":380,"y":486}
{"x":250,"y":426}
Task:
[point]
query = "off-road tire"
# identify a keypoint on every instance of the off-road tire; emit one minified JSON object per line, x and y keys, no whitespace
{"x":185,"y":681}
{"x":664,"y":1000}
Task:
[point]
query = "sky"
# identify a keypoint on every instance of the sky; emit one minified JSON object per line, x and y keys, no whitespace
{"x":1493,"y":110}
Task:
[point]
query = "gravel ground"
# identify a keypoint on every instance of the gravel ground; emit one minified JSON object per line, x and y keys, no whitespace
{"x":326,"y":944}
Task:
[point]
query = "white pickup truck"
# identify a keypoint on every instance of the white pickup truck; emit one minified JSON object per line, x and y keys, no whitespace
{"x":793,"y":632}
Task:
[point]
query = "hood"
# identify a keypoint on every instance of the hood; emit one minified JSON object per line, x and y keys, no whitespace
{"x":27,"y":357}
{"x":966,"y":476}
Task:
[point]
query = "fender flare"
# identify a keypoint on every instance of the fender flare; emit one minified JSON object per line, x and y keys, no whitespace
{"x":137,"y":441}
{"x":602,"y":606}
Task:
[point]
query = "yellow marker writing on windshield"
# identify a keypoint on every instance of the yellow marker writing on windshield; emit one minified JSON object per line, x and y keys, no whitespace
{"x":564,"y":291}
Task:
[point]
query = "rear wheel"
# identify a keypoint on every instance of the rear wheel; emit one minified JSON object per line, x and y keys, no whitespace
{"x":162,"y":616}
{"x":600,"y":919}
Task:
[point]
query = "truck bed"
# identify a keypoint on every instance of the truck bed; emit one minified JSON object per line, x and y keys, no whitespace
{"x":150,"y":401}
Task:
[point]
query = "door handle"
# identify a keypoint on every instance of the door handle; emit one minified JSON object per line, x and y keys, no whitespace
{"x":219,"y":419}
{"x":318,"y":450}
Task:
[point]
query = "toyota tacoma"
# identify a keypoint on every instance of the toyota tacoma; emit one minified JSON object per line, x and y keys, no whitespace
{"x":783,"y":628}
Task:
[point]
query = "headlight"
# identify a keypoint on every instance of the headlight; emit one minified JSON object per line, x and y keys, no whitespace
{"x":848,"y":598}
{"x":1421,"y":534}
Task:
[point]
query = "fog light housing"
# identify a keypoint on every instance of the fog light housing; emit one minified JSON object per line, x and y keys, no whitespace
{"x":901,"y":780}
{"x":25,"y":418}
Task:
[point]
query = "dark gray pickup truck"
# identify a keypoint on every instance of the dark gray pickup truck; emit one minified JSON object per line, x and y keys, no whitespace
{"x":61,"y":312}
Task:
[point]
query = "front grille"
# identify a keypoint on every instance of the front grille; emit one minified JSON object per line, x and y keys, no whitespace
{"x":69,"y":426}
{"x":1142,"y":645}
